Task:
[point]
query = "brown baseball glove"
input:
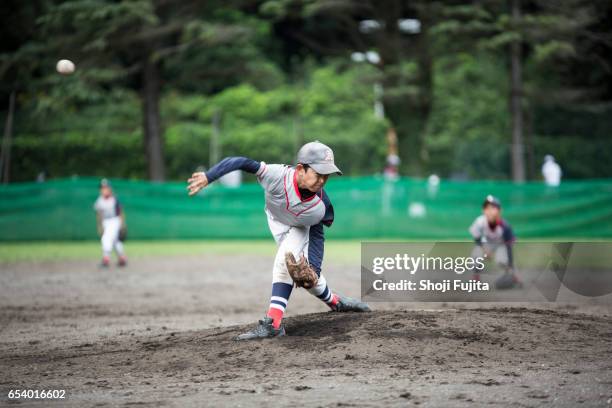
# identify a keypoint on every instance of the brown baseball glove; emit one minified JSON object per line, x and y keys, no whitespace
{"x":301,"y":272}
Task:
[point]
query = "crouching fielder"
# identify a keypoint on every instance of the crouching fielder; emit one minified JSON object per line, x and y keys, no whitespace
{"x":297,"y":208}
{"x":111,"y":224}
{"x":494,"y":239}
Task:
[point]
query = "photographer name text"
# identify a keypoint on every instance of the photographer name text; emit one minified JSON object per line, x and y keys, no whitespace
{"x":427,"y":285}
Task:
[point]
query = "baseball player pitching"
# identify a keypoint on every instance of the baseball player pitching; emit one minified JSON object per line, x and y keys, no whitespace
{"x":111,"y":225}
{"x":494,"y":239}
{"x":297,"y":208}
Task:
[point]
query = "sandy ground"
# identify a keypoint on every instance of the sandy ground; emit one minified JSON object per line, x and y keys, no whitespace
{"x":159,"y":333}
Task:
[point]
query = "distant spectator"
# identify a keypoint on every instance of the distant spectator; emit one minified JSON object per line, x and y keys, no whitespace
{"x":551,"y":171}
{"x":391,"y":168}
{"x":433,"y":185}
{"x":391,"y":171}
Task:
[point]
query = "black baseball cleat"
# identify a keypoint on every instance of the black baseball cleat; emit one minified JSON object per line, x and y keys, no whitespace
{"x":347,"y":304}
{"x":263,"y":330}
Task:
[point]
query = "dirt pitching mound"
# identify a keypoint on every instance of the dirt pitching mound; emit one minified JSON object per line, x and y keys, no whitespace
{"x":445,"y":357}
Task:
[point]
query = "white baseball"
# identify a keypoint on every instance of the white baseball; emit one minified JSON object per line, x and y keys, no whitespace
{"x":65,"y":67}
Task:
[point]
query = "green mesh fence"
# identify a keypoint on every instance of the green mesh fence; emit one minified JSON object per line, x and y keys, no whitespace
{"x":365,"y":208}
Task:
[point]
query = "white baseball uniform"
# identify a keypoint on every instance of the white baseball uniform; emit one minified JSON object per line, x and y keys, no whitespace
{"x":110,"y":211}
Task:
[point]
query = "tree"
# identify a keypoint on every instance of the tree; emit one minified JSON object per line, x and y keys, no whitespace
{"x":540,"y":29}
{"x":18,"y":22}
{"x":128,"y":43}
{"x":329,"y":28}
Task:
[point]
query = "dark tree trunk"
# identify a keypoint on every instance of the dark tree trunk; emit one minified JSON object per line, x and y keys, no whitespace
{"x":5,"y":155}
{"x":529,"y":149}
{"x":153,"y":142}
{"x":518,"y":149}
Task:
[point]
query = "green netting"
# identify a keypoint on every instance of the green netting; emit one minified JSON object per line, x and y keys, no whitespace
{"x":365,"y":208}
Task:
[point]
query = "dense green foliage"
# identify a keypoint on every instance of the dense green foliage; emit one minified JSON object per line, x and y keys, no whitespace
{"x":276,"y":74}
{"x":105,"y":139}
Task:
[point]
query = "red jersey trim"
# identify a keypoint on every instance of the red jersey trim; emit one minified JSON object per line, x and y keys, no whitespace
{"x":262,"y":170}
{"x":297,"y":190}
{"x":298,"y":193}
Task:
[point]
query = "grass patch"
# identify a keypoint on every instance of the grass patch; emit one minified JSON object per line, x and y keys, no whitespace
{"x":535,"y":254}
{"x":337,"y":251}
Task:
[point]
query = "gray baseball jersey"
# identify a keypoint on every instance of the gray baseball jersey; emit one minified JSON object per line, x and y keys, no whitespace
{"x":108,"y":207}
{"x":498,"y":233}
{"x":283,"y":199}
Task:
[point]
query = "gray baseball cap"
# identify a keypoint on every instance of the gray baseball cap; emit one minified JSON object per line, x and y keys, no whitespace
{"x":318,"y":156}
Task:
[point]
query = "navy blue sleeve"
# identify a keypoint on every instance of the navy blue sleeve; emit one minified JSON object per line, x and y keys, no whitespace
{"x":316,"y":241}
{"x":230,"y":164}
{"x":509,"y":240}
{"x":510,"y":256}
{"x":508,"y":233}
{"x":328,"y":218}
{"x":117,"y":207}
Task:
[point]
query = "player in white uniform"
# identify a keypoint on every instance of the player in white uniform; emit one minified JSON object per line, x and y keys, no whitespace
{"x":297,"y":208}
{"x":111,"y":221}
{"x":551,"y":171}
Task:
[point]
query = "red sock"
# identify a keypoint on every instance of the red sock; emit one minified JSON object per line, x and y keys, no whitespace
{"x":333,"y":301}
{"x":276,"y":315}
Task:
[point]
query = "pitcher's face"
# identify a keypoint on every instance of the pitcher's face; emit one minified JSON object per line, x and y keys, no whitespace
{"x":309,"y":179}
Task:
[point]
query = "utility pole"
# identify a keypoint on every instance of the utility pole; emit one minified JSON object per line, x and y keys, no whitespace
{"x":516,"y":98}
{"x":215,"y":140}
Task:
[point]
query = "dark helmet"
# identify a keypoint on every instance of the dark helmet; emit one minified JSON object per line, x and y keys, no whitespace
{"x":491,"y":200}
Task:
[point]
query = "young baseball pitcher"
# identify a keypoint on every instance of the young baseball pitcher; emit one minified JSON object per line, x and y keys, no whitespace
{"x":297,"y":208}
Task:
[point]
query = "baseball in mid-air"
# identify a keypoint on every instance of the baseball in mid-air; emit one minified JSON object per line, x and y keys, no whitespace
{"x":65,"y":67}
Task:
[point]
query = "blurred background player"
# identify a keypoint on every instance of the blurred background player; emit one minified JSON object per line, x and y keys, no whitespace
{"x":111,"y":224}
{"x":391,"y":171}
{"x":551,"y":171}
{"x":297,"y":208}
{"x":494,"y":239}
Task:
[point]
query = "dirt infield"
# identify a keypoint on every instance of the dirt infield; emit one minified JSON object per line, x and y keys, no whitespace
{"x":159,"y":333}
